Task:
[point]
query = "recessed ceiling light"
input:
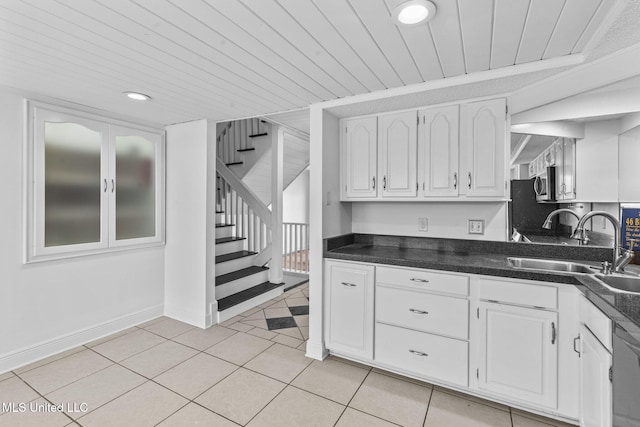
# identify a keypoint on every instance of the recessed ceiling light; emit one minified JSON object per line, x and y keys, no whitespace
{"x":137,"y":96}
{"x":413,"y":12}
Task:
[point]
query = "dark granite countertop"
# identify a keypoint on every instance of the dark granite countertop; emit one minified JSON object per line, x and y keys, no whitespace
{"x":490,"y":258}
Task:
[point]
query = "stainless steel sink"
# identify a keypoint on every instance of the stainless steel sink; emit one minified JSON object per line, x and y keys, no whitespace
{"x":548,"y":265}
{"x":621,"y":282}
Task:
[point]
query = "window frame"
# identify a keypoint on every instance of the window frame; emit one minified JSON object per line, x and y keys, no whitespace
{"x":34,"y":230}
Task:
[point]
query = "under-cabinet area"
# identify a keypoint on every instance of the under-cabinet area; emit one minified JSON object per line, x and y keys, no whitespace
{"x":529,"y":344}
{"x":451,"y":151}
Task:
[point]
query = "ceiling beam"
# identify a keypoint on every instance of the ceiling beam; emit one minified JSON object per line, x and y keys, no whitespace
{"x":561,"y":129}
{"x":609,"y":69}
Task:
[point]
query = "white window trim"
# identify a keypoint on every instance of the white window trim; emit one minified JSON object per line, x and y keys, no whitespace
{"x":34,"y":250}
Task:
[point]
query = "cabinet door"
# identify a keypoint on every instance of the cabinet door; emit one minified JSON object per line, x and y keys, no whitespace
{"x":518,"y":354}
{"x":483,"y":139}
{"x":595,"y":387}
{"x":359,"y":156}
{"x":568,"y":168}
{"x":350,"y":309}
{"x":438,"y":151}
{"x":397,"y":146}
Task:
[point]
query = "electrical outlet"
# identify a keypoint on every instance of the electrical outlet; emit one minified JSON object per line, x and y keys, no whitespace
{"x":423,"y":224}
{"x":476,"y":226}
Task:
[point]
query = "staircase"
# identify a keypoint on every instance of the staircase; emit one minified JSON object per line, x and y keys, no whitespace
{"x":243,"y":235}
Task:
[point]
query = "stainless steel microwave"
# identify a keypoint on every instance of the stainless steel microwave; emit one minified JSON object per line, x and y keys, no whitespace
{"x":545,"y":185}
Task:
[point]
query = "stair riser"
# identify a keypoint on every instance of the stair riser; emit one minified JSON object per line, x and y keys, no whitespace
{"x":234,"y":265}
{"x":227,"y":248}
{"x":224,"y":232}
{"x":219,"y":217}
{"x":241,"y":284}
{"x":248,"y":305}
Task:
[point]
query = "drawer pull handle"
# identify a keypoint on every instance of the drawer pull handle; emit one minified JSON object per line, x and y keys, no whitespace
{"x":413,"y":310}
{"x":351,"y":285}
{"x":413,"y":279}
{"x":418,"y":353}
{"x":553,"y":333}
{"x":576,"y":339}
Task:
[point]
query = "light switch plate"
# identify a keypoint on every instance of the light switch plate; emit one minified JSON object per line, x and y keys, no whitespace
{"x":476,"y":226}
{"x":423,"y":224}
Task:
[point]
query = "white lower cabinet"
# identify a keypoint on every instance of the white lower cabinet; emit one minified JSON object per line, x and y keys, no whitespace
{"x":504,"y":339}
{"x":595,"y":349}
{"x":349,"y":314}
{"x":595,"y":386}
{"x":518,"y":355}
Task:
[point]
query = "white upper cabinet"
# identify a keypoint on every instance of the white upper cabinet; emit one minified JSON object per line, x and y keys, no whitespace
{"x":397,"y":146}
{"x":441,"y":153}
{"x":359,"y":157}
{"x":566,"y":172}
{"x":483,"y":143}
{"x":438,"y":147}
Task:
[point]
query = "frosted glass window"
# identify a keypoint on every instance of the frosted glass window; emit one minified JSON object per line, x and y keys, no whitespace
{"x":72,"y":184}
{"x":136,"y":187}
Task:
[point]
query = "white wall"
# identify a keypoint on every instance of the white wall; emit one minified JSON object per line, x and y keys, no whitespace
{"x":186,"y":251}
{"x":597,"y":162}
{"x":445,"y":220}
{"x":48,"y":307}
{"x":295,"y":200}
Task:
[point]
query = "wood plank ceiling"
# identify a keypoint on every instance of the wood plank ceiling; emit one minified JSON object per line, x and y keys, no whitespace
{"x":225,"y":59}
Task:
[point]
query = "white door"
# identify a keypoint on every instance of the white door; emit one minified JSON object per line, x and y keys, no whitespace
{"x":483,"y":139}
{"x":438,"y":151}
{"x":397,"y":146}
{"x":350,"y":308}
{"x":518,"y":353}
{"x":595,"y":386}
{"x":359,"y":158}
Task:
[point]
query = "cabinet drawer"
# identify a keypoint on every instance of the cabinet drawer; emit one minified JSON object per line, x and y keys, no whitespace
{"x":425,"y":312}
{"x":424,"y":279}
{"x":596,"y":321}
{"x":424,"y":354}
{"x":519,"y":293}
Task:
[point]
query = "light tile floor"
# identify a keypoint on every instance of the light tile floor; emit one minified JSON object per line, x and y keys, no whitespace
{"x":167,"y":373}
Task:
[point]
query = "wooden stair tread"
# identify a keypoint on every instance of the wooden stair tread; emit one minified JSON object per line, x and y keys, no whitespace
{"x":238,"y":274}
{"x":242,"y":150}
{"x":246,"y":295}
{"x":219,"y":225}
{"x":258,"y":134}
{"x":234,"y":163}
{"x":233,"y":255}
{"x":229,"y":239}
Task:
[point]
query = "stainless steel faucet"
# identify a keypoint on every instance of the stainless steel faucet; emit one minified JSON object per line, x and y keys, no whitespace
{"x":619,"y":260}
{"x":547,"y":222}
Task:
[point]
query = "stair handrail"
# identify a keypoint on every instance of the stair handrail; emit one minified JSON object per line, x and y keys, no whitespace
{"x":250,"y":198}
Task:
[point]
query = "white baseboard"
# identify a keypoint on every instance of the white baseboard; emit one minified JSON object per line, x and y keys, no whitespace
{"x":24,"y":356}
{"x":316,"y":350}
{"x":187,"y":316}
